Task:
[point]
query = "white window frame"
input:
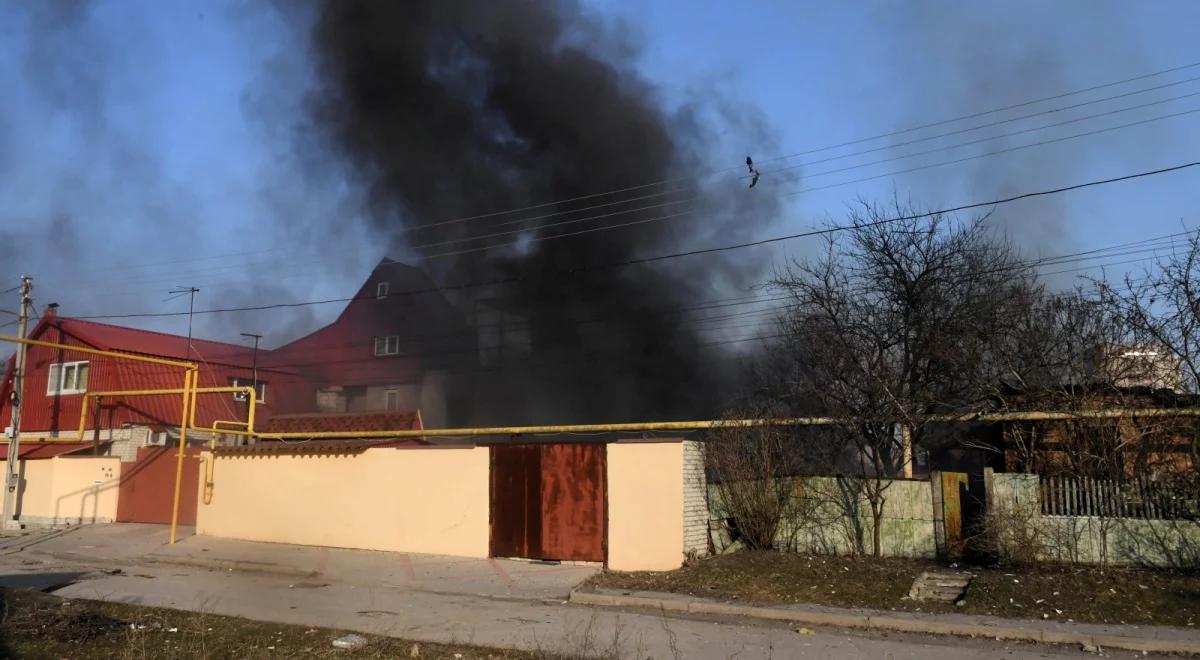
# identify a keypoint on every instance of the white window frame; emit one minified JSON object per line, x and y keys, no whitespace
{"x":260,"y":393}
{"x":390,"y":395}
{"x":387,"y":345}
{"x":56,"y":377}
{"x":382,"y":289}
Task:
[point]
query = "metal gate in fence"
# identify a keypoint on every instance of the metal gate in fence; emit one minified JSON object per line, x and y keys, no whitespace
{"x":949,"y":495}
{"x":147,"y":489}
{"x":548,"y":501}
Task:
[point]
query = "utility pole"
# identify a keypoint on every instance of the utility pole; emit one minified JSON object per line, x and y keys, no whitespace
{"x":12,"y":477}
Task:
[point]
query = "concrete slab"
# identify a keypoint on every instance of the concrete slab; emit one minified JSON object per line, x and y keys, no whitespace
{"x":494,"y":578}
{"x":526,"y":624}
{"x":110,"y":544}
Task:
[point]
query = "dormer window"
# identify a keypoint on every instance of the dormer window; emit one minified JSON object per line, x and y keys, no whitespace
{"x":389,"y":345}
{"x":381,"y":290}
{"x":67,"y":378}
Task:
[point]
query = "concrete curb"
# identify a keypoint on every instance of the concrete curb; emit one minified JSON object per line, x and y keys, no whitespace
{"x":876,"y":621}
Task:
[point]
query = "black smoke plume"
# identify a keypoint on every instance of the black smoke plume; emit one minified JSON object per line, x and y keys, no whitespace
{"x":449,"y":109}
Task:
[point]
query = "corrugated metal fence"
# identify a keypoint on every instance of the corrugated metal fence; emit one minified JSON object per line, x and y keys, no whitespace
{"x":1139,"y":498}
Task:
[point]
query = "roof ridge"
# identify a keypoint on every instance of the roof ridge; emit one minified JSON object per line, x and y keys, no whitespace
{"x":151,"y":332}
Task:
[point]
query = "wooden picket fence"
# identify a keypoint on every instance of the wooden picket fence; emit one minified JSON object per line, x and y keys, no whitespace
{"x":1140,"y":498}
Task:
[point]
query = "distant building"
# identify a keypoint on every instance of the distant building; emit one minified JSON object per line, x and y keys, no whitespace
{"x":1142,"y":365}
{"x":396,"y":347}
{"x":56,"y":380}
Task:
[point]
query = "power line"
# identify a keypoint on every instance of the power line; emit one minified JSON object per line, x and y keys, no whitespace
{"x":828,"y":172}
{"x":278,"y":368}
{"x":539,"y":239}
{"x":829,"y":230}
{"x":683,"y":201}
{"x":668,"y":216}
{"x":815,"y":150}
{"x":564,"y":212}
{"x":677,"y":255}
{"x":904,"y":131}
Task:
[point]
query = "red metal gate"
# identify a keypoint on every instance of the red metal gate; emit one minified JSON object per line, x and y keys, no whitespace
{"x":548,"y":501}
{"x":147,"y":490}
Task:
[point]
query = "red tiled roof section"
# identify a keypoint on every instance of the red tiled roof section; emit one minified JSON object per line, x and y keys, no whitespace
{"x":344,"y":422}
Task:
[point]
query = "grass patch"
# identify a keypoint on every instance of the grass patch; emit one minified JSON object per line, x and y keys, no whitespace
{"x":1061,"y":593}
{"x":37,"y":625}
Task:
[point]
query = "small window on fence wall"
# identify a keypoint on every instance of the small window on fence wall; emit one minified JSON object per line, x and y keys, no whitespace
{"x":67,"y":378}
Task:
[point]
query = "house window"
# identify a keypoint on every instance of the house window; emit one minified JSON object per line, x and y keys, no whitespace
{"x":389,"y":345}
{"x":260,"y":390}
{"x":391,"y":399}
{"x":381,"y":290}
{"x":67,"y":378}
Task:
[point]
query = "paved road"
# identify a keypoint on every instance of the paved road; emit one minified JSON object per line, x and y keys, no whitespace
{"x":492,"y":608}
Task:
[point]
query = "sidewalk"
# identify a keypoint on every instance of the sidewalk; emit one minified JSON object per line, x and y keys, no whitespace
{"x":133,"y":545}
{"x":489,"y":578}
{"x":1151,"y":639}
{"x":501,"y":603}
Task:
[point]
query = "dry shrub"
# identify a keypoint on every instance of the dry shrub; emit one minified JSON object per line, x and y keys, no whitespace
{"x":749,"y":469}
{"x":1009,"y":536}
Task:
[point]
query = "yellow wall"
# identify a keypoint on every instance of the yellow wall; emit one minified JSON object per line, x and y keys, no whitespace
{"x":645,"y":506}
{"x":429,"y":500}
{"x":69,"y":490}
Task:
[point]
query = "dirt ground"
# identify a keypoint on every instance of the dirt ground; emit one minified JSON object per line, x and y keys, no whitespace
{"x":1062,"y":593}
{"x":37,"y":625}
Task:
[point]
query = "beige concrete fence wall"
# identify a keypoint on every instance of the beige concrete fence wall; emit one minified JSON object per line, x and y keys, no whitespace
{"x":645,"y":505}
{"x":1014,"y":505}
{"x":426,"y":500}
{"x":62,"y":491}
{"x":437,"y":501}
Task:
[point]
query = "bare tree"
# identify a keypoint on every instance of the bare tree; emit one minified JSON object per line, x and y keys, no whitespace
{"x":1162,"y":309}
{"x":896,"y":321}
{"x":1085,"y":352}
{"x":750,"y":469}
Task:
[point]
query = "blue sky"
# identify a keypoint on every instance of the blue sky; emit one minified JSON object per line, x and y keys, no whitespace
{"x":145,"y":146}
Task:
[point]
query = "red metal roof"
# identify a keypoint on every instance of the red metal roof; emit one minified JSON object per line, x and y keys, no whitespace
{"x":340,"y":354}
{"x":219,"y":362}
{"x":353,"y":421}
{"x":35,"y":449}
{"x":148,"y":342}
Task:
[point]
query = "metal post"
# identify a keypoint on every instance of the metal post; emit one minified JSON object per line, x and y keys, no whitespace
{"x":254,"y":370}
{"x":12,"y":475}
{"x":192,"y":291}
{"x":189,"y":399}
